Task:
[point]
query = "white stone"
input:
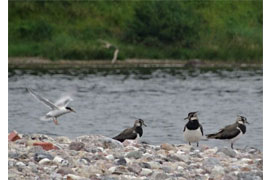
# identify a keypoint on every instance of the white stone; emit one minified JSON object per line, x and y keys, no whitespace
{"x":112,"y":169}
{"x":44,"y":161}
{"x":110,"y":157}
{"x":74,"y":177}
{"x":146,"y":172}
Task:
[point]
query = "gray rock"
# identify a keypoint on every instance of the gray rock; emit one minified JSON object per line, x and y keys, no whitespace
{"x":100,"y":141}
{"x":20,"y":166}
{"x":134,"y":154}
{"x":56,"y":176}
{"x":42,"y":155}
{"x":248,"y":176}
{"x":77,"y":146}
{"x":121,"y":161}
{"x":145,"y":165}
{"x":211,"y":161}
{"x":167,"y":169}
{"x":146,"y":172}
{"x":227,"y":151}
{"x":161,"y":176}
{"x":135,"y":168}
{"x":14,"y":155}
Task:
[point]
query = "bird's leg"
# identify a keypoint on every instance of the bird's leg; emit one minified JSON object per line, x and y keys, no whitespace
{"x":232,"y":145}
{"x":55,"y":121}
{"x":189,"y":143}
{"x":197,"y":144}
{"x":137,"y":139}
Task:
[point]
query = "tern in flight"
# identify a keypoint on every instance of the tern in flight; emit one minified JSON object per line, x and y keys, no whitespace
{"x":57,"y":109}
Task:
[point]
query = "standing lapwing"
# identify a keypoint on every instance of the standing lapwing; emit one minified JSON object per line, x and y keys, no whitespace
{"x":231,"y":132}
{"x":131,"y":133}
{"x":193,"y":130}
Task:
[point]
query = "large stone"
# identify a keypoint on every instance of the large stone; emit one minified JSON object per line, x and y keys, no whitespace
{"x":45,"y":145}
{"x":13,"y":136}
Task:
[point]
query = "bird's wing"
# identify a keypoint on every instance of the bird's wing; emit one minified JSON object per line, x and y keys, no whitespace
{"x":228,"y":132}
{"x":42,"y":99}
{"x":126,"y":134}
{"x":201,"y":128}
{"x":63,"y":101}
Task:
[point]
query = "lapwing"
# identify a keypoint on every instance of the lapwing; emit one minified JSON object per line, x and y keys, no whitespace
{"x":58,"y":108}
{"x":131,"y":133}
{"x":231,"y":132}
{"x":193,"y":130}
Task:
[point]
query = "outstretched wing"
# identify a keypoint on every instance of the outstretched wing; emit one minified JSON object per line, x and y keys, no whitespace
{"x":42,"y":99}
{"x":63,"y":101}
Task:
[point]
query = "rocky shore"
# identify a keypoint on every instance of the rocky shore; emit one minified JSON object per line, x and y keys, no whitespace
{"x":96,"y":157}
{"x":40,"y":63}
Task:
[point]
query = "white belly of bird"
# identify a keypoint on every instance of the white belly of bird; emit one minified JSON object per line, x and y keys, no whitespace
{"x":192,"y":135}
{"x":56,"y":113}
{"x":236,"y":137}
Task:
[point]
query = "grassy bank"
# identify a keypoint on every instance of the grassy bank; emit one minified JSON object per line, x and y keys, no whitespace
{"x":213,"y":30}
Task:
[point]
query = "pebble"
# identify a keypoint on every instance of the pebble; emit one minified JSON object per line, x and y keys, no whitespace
{"x":167,"y":147}
{"x":42,"y":155}
{"x":146,"y":172}
{"x":121,"y":161}
{"x":45,"y":161}
{"x":227,"y":151}
{"x":77,"y":146}
{"x":134,"y":154}
{"x":102,"y":158}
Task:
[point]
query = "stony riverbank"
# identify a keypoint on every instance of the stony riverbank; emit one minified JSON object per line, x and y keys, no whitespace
{"x":101,"y":158}
{"x":40,"y":63}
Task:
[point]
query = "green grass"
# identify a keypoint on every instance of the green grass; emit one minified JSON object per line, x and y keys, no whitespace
{"x":212,"y":30}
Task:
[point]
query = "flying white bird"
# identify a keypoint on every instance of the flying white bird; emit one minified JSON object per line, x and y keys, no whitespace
{"x":57,"y":109}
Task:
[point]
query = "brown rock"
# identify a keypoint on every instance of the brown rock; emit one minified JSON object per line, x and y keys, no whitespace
{"x":13,"y":136}
{"x":167,"y":147}
{"x":45,"y":145}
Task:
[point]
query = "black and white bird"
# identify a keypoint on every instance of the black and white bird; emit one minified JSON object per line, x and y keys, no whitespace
{"x":193,"y":130}
{"x":231,"y":132}
{"x":57,"y":109}
{"x":131,"y":133}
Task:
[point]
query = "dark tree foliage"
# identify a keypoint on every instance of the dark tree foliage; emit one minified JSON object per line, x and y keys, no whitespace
{"x":164,"y":22}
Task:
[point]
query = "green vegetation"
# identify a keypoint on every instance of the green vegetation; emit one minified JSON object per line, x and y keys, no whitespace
{"x":212,"y":30}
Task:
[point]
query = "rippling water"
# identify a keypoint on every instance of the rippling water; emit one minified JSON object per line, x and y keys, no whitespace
{"x":109,"y":100}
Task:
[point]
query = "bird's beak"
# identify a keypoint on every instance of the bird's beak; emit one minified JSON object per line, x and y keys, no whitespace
{"x":247,"y":122}
{"x":73,"y":110}
{"x":144,"y":124}
{"x":186,"y":118}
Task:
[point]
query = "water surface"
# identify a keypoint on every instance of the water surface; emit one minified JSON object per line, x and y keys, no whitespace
{"x":108,"y":101}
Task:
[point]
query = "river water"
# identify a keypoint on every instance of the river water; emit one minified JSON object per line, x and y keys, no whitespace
{"x":109,"y":100}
